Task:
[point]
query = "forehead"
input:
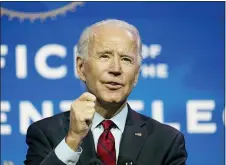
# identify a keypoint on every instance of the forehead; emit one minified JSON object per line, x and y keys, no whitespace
{"x":108,"y":37}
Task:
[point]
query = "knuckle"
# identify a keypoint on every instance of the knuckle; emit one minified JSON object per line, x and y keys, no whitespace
{"x":89,"y":116}
{"x":93,"y":98}
{"x":91,"y":104}
{"x":84,"y":94}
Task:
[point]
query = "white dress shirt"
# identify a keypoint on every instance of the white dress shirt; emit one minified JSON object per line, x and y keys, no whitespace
{"x":70,"y":157}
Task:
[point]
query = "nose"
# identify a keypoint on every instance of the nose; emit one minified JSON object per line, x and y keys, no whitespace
{"x":115,"y":68}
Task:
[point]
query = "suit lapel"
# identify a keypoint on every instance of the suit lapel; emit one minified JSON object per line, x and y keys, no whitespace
{"x":88,"y":147}
{"x":87,"y":144}
{"x":133,"y":137}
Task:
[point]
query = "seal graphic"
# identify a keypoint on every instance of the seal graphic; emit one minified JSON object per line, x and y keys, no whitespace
{"x":53,"y":10}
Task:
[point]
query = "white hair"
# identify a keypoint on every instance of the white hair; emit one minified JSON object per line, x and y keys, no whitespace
{"x":83,"y":44}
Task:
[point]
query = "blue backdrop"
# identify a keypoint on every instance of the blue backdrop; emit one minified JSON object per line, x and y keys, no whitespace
{"x":181,"y":81}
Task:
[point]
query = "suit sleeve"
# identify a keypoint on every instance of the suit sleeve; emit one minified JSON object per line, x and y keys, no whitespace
{"x":177,"y":154}
{"x":39,"y":151}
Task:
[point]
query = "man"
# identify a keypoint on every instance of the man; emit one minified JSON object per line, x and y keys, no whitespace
{"x":100,"y":125}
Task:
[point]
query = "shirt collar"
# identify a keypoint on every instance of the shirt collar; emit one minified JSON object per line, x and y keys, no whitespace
{"x":119,"y":119}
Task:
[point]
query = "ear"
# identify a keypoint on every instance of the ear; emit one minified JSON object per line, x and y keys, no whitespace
{"x":80,"y":68}
{"x":136,"y":77}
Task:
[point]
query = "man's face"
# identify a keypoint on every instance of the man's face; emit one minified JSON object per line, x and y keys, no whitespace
{"x":111,"y":69}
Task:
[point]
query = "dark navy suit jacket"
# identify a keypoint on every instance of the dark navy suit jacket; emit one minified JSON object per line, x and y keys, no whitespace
{"x":144,"y":141}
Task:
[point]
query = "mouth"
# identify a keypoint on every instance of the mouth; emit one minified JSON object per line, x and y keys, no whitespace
{"x":112,"y":85}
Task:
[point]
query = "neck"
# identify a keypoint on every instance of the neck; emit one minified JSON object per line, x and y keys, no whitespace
{"x":108,"y":110}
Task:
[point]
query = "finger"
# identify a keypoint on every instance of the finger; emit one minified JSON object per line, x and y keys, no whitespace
{"x":90,"y":104}
{"x":87,"y":97}
{"x":83,"y":104}
{"x":89,"y":117}
{"x":87,"y":111}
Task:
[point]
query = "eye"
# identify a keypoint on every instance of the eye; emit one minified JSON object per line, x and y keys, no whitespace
{"x":127,"y":59}
{"x":104,"y":56}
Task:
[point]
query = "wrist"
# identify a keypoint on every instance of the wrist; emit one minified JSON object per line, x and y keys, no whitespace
{"x":73,"y":141}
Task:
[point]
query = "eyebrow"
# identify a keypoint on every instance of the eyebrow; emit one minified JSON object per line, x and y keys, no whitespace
{"x":104,"y":51}
{"x":121,"y":54}
{"x":124,"y":55}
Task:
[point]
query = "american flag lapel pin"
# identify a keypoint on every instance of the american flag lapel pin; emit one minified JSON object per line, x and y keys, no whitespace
{"x":138,"y":134}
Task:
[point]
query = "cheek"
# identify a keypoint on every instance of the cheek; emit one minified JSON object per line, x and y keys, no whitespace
{"x":131,"y":78}
{"x":93,"y":74}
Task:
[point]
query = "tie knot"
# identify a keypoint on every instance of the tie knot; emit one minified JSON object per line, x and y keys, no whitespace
{"x":107,"y":124}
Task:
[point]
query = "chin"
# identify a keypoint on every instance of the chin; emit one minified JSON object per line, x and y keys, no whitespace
{"x":112,"y":98}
